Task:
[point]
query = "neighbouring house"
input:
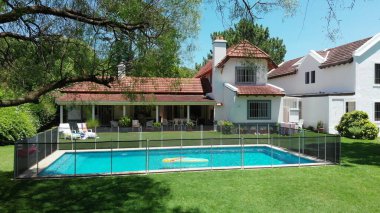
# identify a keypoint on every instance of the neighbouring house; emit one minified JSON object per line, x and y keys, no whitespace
{"x":232,"y":86}
{"x":334,"y":81}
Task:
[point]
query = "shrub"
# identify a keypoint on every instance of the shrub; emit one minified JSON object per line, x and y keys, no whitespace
{"x":190,"y":124}
{"x":92,"y":123}
{"x":226,"y":126}
{"x":15,"y":124}
{"x":156,"y":124}
{"x":356,"y":124}
{"x":125,"y":121}
{"x":310,"y":128}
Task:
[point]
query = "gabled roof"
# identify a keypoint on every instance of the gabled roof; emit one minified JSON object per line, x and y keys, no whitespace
{"x":206,"y":69}
{"x":286,"y":68}
{"x":148,"y":85}
{"x":342,"y":54}
{"x":334,"y":56}
{"x":245,"y":49}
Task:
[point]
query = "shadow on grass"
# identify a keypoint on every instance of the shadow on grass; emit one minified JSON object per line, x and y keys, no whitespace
{"x":364,"y":153}
{"x":125,"y":194}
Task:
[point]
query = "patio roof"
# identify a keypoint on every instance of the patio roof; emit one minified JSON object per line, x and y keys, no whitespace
{"x":128,"y":99}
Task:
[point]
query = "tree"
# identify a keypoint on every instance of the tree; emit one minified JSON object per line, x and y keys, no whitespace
{"x":257,"y":35}
{"x":46,"y":45}
{"x":254,"y":33}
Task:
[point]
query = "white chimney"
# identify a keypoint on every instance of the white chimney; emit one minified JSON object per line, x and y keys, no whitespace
{"x":219,"y":49}
{"x":121,"y":69}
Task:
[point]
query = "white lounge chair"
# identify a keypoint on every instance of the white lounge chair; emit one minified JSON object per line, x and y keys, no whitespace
{"x":64,"y":129}
{"x":149,"y":124}
{"x":88,"y":133}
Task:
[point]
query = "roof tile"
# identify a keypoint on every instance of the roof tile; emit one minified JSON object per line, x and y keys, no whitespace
{"x":260,"y":90}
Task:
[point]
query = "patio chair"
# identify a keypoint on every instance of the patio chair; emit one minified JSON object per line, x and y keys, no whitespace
{"x":300,"y":124}
{"x":149,"y":124}
{"x":86,"y":133}
{"x":135,"y":124}
{"x":165,"y":122}
{"x":114,"y":124}
{"x":65,"y":130}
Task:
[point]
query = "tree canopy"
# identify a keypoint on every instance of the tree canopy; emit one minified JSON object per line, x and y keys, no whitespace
{"x":46,"y":44}
{"x":256,"y":34}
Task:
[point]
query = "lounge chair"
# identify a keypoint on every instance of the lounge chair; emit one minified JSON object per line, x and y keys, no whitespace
{"x":86,"y":133}
{"x":135,"y":124}
{"x":65,"y":130}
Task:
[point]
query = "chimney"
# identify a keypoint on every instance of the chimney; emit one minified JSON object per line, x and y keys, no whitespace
{"x":219,"y":49}
{"x":121,"y":69}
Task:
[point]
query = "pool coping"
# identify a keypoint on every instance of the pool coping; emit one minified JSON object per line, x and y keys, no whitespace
{"x":36,"y":169}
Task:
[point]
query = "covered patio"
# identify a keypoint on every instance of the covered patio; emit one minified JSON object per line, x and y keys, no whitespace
{"x":149,"y":101}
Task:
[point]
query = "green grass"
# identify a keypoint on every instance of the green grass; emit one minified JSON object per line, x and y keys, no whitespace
{"x":352,"y":187}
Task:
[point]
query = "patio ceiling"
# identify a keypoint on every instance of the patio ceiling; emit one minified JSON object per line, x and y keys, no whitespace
{"x":139,"y":99}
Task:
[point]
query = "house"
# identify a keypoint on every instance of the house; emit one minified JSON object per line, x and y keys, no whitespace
{"x":334,"y":81}
{"x":238,"y":76}
{"x":232,"y":86}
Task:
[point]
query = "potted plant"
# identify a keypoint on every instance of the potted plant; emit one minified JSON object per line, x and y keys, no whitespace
{"x":189,"y":125}
{"x":125,"y":122}
{"x":320,"y":127}
{"x":156,"y":125}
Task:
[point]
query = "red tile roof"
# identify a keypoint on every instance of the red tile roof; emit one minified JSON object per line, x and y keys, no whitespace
{"x":342,"y":54}
{"x":206,"y":69}
{"x":101,"y":97}
{"x":245,"y":49}
{"x":286,"y":68}
{"x":242,"y":50}
{"x":260,"y":90}
{"x":145,"y":85}
{"x":335,"y":56}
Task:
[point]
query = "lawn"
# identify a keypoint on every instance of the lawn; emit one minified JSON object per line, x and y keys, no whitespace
{"x":352,"y":187}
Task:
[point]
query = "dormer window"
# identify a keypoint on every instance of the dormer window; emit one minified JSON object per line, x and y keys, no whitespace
{"x":245,"y":75}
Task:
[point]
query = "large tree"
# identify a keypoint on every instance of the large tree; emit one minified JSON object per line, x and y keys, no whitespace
{"x":258,"y":35}
{"x":48,"y":44}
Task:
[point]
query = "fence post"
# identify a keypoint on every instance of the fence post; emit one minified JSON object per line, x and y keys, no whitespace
{"x":111,"y":153}
{"x":140,"y":137}
{"x":147,"y":156}
{"x":75,"y":157}
{"x":201,"y":134}
{"x":15,"y":170}
{"x":221,"y":135}
{"x":118,"y":137}
{"x":57,"y":138}
{"x":299,"y":150}
{"x":45,"y":144}
{"x":51,"y":141}
{"x":36,"y":156}
{"x":242,"y":152}
{"x":268,"y":134}
{"x":325,"y":150}
{"x":340,"y":149}
{"x":162,"y":135}
{"x":239,"y":134}
{"x":271,"y":150}
{"x":257,"y":134}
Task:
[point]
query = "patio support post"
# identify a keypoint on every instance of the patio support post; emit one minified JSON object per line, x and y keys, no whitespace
{"x":188,"y":113}
{"x":61,"y":114}
{"x":93,"y":112}
{"x":157,"y":113}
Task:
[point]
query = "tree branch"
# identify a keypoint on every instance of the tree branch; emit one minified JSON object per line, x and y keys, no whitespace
{"x":18,"y":12}
{"x":33,"y":97}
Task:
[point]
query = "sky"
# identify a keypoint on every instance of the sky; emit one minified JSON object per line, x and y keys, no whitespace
{"x":361,"y":22}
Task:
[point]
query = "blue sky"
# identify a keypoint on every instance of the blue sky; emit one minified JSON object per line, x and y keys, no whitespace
{"x":360,"y":22}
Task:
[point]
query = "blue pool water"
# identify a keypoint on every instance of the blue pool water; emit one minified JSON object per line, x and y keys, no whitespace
{"x":100,"y":162}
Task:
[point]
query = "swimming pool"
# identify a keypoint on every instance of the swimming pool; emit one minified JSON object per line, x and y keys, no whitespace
{"x":160,"y":159}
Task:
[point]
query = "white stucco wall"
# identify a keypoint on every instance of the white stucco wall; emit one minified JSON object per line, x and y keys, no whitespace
{"x":337,"y":79}
{"x":227,"y":75}
{"x":235,"y":108}
{"x":367,"y":92}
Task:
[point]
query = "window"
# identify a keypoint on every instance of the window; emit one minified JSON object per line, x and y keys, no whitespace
{"x":377,"y":73}
{"x":350,"y":106}
{"x":312,"y":77}
{"x":307,"y":77}
{"x":259,"y":110}
{"x":377,"y":111}
{"x":245,"y":75}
